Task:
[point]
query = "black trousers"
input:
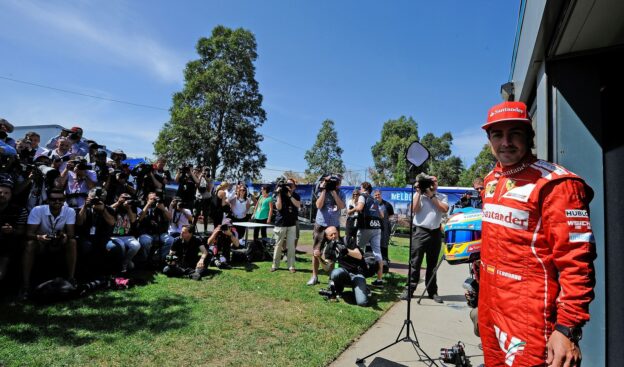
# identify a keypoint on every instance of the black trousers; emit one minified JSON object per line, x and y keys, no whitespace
{"x":425,"y":243}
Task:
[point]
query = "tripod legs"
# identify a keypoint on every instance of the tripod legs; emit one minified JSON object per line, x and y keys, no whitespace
{"x":407,"y":326}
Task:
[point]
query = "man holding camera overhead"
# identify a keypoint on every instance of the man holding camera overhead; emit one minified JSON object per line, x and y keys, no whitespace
{"x":329,"y":203}
{"x":429,"y":207}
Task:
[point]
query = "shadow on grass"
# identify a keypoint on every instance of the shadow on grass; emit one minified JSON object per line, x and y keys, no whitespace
{"x":102,"y":316}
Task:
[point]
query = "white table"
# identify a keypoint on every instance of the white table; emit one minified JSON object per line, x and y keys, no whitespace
{"x":250,"y":225}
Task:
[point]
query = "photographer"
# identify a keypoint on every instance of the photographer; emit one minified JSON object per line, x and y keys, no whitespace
{"x":40,"y":179}
{"x":61,"y":153}
{"x":153,"y":222}
{"x":187,"y":185}
{"x":220,"y":203}
{"x":370,"y":218}
{"x":50,"y":229}
{"x":287,"y":204}
{"x":221,"y":241}
{"x":153,"y":178}
{"x":330,"y":202}
{"x":429,"y":208}
{"x":122,"y":239}
{"x":184,"y":259}
{"x":352,"y":267}
{"x":94,"y":226}
{"x":12,"y":226}
{"x":352,"y":214}
{"x":77,"y":179}
{"x":179,"y":216}
{"x":202,"y":198}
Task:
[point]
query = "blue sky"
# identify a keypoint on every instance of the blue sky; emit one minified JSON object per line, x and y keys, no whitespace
{"x":359,"y":63}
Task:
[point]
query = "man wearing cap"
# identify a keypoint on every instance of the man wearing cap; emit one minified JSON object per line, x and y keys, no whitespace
{"x":537,"y":274}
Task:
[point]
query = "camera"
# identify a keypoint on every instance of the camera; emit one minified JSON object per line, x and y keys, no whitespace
{"x":331,"y":182}
{"x":225,"y":227}
{"x":156,"y":202}
{"x":455,"y":355}
{"x":141,"y":170}
{"x":171,"y":259}
{"x":334,"y":250}
{"x":424,"y":182}
{"x":329,"y":293}
{"x":281,"y":186}
{"x":185,"y":168}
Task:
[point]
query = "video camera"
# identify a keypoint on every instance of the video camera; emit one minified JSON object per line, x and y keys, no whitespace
{"x":334,"y":250}
{"x":141,"y":170}
{"x":424,"y":182}
{"x":281,"y":186}
{"x":329,"y":293}
{"x":455,"y":355}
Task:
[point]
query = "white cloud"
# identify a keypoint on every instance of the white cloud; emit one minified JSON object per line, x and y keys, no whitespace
{"x":114,"y":40}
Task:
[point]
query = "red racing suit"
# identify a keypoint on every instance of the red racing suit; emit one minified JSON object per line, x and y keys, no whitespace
{"x":536,"y":259}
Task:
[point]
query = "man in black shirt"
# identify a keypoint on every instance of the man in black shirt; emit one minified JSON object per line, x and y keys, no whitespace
{"x":94,"y":226}
{"x":12,"y":226}
{"x":352,"y":266}
{"x":184,"y":258}
{"x":221,"y":241}
{"x":287,"y":204}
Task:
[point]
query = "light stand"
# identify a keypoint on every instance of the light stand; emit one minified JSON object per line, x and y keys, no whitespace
{"x":417,"y":155}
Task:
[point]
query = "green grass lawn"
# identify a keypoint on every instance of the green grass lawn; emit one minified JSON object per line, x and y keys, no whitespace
{"x":238,"y":317}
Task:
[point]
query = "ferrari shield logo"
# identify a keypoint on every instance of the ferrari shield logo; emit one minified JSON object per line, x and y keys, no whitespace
{"x":490,"y":188}
{"x":510,"y":184}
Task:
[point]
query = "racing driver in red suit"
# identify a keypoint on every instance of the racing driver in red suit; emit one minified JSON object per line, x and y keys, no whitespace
{"x":537,"y":275}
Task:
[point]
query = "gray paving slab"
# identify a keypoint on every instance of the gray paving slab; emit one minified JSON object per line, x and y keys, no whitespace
{"x":436,"y":326}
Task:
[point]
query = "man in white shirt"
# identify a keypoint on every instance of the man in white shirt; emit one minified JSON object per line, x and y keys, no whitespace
{"x":50,"y":228}
{"x":429,"y":208}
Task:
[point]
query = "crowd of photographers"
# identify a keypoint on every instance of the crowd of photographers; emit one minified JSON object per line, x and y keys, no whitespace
{"x":69,"y":208}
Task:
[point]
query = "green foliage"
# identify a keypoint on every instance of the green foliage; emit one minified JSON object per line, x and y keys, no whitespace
{"x":441,"y":164}
{"x":325,"y":156}
{"x":389,"y":152}
{"x":214,"y":119}
{"x":484,"y":163}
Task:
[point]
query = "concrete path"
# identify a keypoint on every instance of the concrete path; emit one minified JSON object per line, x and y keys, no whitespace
{"x":436,"y":325}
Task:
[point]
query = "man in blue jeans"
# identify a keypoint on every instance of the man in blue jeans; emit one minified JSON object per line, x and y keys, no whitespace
{"x":352,"y":267}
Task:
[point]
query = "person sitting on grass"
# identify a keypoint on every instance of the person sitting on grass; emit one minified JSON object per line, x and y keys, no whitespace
{"x":184,"y":258}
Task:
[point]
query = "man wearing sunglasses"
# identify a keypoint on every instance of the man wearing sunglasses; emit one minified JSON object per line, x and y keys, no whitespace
{"x":49,"y":230}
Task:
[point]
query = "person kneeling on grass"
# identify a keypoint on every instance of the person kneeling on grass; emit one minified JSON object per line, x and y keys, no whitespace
{"x":220,"y":243}
{"x":352,"y":268}
{"x":184,"y":257}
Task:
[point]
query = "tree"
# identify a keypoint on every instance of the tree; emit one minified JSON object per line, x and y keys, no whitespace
{"x":294,"y":175}
{"x":441,"y":164}
{"x":484,"y":163}
{"x":214,"y":119}
{"x":351,"y":178}
{"x":325,"y":156}
{"x":391,"y":168}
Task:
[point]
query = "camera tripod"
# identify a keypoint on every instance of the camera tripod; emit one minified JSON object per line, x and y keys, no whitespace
{"x":416,"y":154}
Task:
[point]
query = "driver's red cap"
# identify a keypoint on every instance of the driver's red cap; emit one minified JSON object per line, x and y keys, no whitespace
{"x":507,"y":111}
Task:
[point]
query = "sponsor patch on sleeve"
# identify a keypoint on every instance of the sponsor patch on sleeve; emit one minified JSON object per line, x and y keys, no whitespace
{"x":581,"y":237}
{"x":576,"y":213}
